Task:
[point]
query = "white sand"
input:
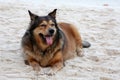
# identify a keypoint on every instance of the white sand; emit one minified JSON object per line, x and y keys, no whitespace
{"x":99,"y":25}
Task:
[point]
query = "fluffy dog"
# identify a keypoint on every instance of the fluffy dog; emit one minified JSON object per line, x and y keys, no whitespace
{"x":48,"y":43}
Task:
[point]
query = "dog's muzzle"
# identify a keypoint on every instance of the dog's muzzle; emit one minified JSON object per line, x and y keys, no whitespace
{"x":51,"y":31}
{"x":49,"y":37}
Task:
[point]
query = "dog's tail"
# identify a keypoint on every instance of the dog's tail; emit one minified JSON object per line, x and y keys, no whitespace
{"x":86,"y":44}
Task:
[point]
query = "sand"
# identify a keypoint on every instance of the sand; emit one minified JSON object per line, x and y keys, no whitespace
{"x":98,"y":25}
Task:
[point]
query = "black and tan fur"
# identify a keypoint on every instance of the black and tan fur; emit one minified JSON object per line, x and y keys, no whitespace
{"x":48,"y":43}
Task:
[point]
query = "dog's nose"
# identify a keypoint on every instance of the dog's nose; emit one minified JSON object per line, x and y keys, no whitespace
{"x":51,"y":31}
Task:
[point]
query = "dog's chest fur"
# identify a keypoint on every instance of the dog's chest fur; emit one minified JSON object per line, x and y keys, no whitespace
{"x":44,"y":57}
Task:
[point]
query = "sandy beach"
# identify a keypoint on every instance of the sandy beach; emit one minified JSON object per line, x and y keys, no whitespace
{"x":100,"y":25}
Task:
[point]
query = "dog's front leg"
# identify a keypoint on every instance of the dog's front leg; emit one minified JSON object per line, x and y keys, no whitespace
{"x":32,"y":62}
{"x":35,"y":65}
{"x":56,"y":63}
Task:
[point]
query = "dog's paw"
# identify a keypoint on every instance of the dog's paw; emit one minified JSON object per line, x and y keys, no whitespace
{"x":80,"y":53}
{"x":35,"y":66}
{"x":48,"y":71}
{"x":51,"y":72}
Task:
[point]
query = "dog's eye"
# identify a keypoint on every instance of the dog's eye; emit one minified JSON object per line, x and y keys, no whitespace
{"x":52,"y":24}
{"x":43,"y":25}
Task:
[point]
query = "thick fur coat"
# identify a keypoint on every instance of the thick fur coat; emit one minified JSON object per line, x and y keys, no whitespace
{"x":48,"y":43}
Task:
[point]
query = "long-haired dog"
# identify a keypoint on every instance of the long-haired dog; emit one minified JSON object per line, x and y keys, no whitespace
{"x":48,"y":43}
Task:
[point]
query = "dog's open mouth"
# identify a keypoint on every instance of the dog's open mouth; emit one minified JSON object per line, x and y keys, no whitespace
{"x":47,"y":38}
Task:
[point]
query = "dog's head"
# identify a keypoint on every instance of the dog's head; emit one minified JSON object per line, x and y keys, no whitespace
{"x":44,"y":27}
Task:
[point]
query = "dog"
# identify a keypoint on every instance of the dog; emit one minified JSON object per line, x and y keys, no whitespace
{"x":47,"y":43}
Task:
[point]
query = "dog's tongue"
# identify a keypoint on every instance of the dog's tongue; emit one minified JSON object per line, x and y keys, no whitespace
{"x":49,"y":40}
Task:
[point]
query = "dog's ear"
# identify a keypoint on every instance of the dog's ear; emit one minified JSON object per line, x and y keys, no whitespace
{"x":53,"y":13}
{"x":32,"y":16}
